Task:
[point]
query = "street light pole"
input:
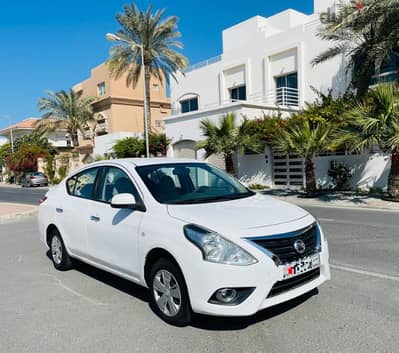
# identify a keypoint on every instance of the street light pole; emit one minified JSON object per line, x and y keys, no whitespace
{"x":115,"y":38}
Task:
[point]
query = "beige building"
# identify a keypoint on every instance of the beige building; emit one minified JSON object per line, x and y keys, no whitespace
{"x":119,"y":109}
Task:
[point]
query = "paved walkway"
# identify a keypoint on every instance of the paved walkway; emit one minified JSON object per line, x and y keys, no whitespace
{"x":9,"y":211}
{"x":343,"y":199}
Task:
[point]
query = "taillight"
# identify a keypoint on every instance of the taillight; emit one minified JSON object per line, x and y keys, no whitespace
{"x":44,"y":198}
{"x":32,"y":177}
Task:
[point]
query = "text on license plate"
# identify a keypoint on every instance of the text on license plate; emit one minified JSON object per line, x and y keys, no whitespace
{"x":300,"y":266}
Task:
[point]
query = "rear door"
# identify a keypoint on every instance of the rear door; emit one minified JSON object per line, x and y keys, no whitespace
{"x":72,"y":211}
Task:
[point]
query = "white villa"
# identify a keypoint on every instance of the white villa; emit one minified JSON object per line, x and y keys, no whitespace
{"x":266,"y":68}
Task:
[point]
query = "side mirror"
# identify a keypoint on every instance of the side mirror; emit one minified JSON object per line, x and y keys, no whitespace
{"x":123,"y":201}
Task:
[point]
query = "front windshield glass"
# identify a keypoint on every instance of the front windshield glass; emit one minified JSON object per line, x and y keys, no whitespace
{"x":189,"y":183}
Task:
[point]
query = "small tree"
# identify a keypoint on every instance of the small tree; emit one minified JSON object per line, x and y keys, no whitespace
{"x":226,"y":138}
{"x":305,"y":138}
{"x":159,"y":143}
{"x":25,"y":159}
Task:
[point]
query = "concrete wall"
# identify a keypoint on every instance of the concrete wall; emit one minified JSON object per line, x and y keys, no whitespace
{"x":368,"y":170}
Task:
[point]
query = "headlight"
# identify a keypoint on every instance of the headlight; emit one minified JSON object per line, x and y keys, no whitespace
{"x":216,"y":249}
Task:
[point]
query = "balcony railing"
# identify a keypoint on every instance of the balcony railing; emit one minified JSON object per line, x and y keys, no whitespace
{"x":204,"y":63}
{"x":281,"y":97}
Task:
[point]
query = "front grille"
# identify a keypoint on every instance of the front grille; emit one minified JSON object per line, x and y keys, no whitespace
{"x":282,"y":245}
{"x":294,"y":282}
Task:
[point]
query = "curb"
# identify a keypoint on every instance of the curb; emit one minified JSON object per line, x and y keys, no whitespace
{"x":11,"y":217}
{"x":326,"y":205}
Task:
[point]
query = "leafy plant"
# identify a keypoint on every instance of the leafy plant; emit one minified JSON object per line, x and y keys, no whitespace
{"x":129,"y":147}
{"x":367,"y":33}
{"x":158,"y":143}
{"x":25,"y":159}
{"x":258,"y":186}
{"x":49,"y":169}
{"x":374,"y":121}
{"x":62,"y":171}
{"x":340,"y":175}
{"x":226,"y":138}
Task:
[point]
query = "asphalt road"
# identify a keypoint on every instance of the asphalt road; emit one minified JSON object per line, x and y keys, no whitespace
{"x":18,"y":194}
{"x":87,"y":310}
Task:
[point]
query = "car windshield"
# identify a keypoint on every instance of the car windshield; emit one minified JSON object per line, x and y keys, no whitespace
{"x":190,"y":183}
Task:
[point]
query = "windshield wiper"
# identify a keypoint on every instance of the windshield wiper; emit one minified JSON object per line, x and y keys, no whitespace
{"x":213,"y":199}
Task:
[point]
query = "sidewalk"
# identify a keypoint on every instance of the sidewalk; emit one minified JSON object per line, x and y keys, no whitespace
{"x":12,"y":211}
{"x":339,"y":199}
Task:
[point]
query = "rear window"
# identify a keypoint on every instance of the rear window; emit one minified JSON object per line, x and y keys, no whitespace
{"x":82,"y":185}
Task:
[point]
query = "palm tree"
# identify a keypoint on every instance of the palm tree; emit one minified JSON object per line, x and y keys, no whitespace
{"x":366,"y":33}
{"x":305,"y":138}
{"x":226,"y":139}
{"x":157,"y":37}
{"x":374,"y":121}
{"x":70,"y":111}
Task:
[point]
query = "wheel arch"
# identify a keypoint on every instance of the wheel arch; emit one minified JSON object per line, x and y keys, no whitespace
{"x":49,"y":230}
{"x":152,"y":256}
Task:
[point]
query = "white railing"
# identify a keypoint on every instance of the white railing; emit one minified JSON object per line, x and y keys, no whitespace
{"x":204,"y":63}
{"x":281,"y":97}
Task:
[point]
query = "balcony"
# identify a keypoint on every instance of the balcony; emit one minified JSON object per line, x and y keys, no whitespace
{"x":282,"y":97}
{"x":101,"y":129}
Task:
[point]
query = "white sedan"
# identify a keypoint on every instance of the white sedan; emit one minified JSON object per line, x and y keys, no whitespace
{"x":197,"y":238}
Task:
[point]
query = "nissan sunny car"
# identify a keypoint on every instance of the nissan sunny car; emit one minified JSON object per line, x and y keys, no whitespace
{"x":198,"y":239}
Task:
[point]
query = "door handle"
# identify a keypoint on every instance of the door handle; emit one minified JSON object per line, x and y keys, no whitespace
{"x":59,"y":210}
{"x":95,"y":218}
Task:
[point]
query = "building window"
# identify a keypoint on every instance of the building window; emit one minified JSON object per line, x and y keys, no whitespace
{"x":189,"y":105}
{"x":158,"y":123}
{"x":238,"y":93}
{"x":287,"y":89}
{"x":101,"y":88}
{"x":388,"y":71}
{"x":155,"y":87}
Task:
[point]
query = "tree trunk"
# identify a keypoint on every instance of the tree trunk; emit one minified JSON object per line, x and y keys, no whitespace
{"x":148,"y":96}
{"x":75,"y":139}
{"x":228,"y":160}
{"x":393,"y":179}
{"x":363,"y":82}
{"x":310,"y":177}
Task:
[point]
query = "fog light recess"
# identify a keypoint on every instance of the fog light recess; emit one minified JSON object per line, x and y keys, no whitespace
{"x":230,"y":296}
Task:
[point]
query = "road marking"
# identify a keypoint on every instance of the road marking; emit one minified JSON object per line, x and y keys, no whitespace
{"x":331,"y":220}
{"x":364,"y":272}
{"x":72,"y":291}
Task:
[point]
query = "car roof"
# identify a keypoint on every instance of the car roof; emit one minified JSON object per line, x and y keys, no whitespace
{"x":128,"y":162}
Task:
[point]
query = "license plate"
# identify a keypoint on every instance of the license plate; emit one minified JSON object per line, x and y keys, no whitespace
{"x":300,"y":266}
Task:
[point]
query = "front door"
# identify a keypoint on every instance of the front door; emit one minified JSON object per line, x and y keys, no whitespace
{"x":113,"y":234}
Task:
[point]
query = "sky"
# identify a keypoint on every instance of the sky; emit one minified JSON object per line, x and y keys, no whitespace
{"x":53,"y":44}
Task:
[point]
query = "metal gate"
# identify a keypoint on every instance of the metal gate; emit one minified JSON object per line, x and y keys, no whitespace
{"x":288,"y":170}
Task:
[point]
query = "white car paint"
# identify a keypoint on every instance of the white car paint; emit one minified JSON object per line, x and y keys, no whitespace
{"x":121,"y":239}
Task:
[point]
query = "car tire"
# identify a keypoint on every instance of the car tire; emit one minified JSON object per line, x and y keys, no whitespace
{"x":168,"y":293}
{"x":60,"y":257}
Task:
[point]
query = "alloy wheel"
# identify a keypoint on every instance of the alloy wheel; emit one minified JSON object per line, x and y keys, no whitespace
{"x":56,"y":249}
{"x":167,"y":293}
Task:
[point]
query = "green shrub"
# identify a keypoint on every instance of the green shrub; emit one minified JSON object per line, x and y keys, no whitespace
{"x":129,"y":147}
{"x":258,"y":186}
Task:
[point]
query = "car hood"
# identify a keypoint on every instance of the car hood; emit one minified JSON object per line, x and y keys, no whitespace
{"x":240,"y":215}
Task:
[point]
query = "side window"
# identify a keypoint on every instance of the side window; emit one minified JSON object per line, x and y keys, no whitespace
{"x":116,"y":181}
{"x":82,"y":184}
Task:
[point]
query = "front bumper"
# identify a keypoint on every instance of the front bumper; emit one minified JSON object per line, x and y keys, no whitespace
{"x":263,"y":276}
